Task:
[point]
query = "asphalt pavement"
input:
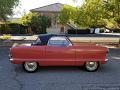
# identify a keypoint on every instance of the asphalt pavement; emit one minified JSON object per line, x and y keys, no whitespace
{"x":13,"y":77}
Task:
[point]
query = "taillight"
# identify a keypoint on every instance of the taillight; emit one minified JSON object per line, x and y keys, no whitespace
{"x":107,"y":50}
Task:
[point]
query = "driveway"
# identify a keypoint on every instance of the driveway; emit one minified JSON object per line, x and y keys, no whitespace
{"x":13,"y":77}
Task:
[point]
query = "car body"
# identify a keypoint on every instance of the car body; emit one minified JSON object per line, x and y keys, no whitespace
{"x":55,"y":50}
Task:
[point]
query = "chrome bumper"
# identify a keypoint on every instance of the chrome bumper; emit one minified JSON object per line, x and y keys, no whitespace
{"x":106,"y":60}
{"x":11,"y":59}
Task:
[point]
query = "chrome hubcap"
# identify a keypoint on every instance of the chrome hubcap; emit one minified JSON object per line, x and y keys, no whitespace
{"x":91,"y":65}
{"x":30,"y":66}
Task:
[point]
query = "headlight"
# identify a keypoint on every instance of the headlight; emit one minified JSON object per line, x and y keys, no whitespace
{"x":10,"y":56}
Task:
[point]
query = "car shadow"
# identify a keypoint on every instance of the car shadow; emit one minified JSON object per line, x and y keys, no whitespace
{"x":60,"y":68}
{"x":19,"y":69}
{"x":44,"y":69}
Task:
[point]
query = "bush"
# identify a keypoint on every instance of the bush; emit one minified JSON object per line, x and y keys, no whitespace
{"x":38,"y":23}
{"x":6,"y":36}
{"x":78,"y":31}
{"x":102,"y":30}
{"x":12,"y":28}
{"x":116,"y":30}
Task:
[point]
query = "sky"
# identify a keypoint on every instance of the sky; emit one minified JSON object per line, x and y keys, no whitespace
{"x":26,"y":5}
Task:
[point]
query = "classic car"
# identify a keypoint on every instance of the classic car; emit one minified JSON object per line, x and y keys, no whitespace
{"x":57,"y":50}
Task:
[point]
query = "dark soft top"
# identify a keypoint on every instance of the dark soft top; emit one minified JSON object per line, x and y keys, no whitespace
{"x":45,"y":37}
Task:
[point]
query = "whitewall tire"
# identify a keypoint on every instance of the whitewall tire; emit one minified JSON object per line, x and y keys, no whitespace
{"x":91,"y":66}
{"x":30,"y":66}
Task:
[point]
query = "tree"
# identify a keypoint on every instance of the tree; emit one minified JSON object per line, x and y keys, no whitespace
{"x":67,"y":15}
{"x":6,"y":8}
{"x":36,"y":22}
{"x":93,"y":13}
{"x":90,"y":14}
{"x":112,"y":8}
{"x":101,"y":13}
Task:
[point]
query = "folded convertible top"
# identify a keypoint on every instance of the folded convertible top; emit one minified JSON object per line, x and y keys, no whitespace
{"x":45,"y":37}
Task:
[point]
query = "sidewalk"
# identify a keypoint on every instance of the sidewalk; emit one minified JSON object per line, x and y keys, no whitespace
{"x":117,"y":34}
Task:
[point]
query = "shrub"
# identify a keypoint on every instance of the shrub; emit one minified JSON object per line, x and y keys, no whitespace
{"x":12,"y":28}
{"x":116,"y":30}
{"x":6,"y":36}
{"x":78,"y":31}
{"x":102,"y":30}
{"x":38,"y":23}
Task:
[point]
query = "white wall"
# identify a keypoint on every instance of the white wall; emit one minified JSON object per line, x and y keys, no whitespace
{"x":56,"y":29}
{"x":53,"y":30}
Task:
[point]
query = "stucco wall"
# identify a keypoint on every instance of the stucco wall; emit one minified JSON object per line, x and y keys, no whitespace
{"x":53,"y":30}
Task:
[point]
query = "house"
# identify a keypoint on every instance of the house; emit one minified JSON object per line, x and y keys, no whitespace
{"x":16,"y":20}
{"x":53,"y":11}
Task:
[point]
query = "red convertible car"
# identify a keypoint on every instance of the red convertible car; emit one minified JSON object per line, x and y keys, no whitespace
{"x":55,"y":50}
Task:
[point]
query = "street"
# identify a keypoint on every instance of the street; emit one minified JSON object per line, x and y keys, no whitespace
{"x":13,"y":77}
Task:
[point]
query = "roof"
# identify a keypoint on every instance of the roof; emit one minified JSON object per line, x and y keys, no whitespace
{"x":56,"y":7}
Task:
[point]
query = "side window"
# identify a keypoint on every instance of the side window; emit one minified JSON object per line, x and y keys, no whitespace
{"x":66,"y":43}
{"x":38,"y":40}
{"x":59,"y":42}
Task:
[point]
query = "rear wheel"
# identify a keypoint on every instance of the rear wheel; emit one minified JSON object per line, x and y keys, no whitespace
{"x":91,"y":66}
{"x":30,"y":66}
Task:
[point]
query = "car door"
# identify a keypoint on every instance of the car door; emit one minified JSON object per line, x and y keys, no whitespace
{"x":59,"y":51}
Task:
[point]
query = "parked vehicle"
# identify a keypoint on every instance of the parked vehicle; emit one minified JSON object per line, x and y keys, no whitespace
{"x":55,"y":50}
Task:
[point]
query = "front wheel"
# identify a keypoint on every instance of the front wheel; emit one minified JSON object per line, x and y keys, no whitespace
{"x":30,"y":66}
{"x":91,"y":66}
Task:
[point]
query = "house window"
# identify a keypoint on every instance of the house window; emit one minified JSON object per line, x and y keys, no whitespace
{"x":62,"y":30}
